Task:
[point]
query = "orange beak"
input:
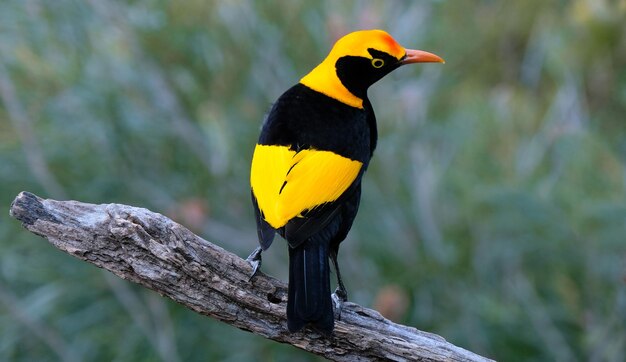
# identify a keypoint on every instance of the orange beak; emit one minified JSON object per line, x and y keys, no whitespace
{"x":420,"y":56}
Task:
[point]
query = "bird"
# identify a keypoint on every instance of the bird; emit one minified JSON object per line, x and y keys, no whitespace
{"x":314,"y":147}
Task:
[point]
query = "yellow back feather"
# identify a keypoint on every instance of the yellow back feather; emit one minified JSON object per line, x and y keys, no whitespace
{"x":286,"y":183}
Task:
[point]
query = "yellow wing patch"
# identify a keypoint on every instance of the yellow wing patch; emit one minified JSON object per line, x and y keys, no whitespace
{"x":286,"y":183}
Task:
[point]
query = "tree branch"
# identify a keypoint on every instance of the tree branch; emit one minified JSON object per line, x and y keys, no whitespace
{"x":154,"y":251}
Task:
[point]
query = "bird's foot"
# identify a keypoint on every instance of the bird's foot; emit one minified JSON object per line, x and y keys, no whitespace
{"x":339,"y":297}
{"x":255,"y":261}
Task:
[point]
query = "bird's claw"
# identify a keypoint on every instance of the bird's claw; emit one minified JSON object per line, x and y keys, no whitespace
{"x":339,"y":297}
{"x":255,"y":261}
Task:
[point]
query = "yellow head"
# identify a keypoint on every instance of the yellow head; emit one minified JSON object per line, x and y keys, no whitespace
{"x":357,"y":61}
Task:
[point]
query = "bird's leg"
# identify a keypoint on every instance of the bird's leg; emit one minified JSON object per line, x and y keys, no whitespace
{"x":340,"y":295}
{"x":255,"y":260}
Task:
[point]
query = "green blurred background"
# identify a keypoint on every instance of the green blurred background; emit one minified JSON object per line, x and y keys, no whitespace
{"x":493,"y":213}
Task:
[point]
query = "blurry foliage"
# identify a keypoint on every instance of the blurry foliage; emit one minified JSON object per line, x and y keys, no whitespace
{"x":494,"y":212}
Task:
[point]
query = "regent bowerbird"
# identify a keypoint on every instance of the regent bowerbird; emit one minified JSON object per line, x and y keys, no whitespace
{"x":315,"y":145}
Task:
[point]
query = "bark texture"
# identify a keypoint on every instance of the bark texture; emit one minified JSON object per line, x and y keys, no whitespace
{"x":154,"y":251}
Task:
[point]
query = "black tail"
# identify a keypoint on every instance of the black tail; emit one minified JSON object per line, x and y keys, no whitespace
{"x":309,"y":288}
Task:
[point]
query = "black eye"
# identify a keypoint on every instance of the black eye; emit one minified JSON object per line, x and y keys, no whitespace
{"x":377,"y":63}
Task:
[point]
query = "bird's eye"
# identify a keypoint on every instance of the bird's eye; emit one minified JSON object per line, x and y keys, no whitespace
{"x":377,"y":63}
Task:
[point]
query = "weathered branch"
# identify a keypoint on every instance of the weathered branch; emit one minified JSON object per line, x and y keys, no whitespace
{"x":154,"y":251}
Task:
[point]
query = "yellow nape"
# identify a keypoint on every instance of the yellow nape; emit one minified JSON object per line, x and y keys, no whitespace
{"x":285,"y":182}
{"x":324,"y":77}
